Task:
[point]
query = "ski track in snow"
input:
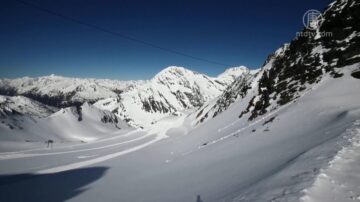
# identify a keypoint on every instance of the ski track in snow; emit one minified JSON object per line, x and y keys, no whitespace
{"x":95,"y":160}
{"x":86,"y":156}
{"x":4,"y":154}
{"x":25,"y":155}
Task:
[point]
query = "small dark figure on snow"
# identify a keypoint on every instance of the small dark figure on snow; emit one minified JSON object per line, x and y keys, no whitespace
{"x":198,"y":199}
{"x":49,"y":143}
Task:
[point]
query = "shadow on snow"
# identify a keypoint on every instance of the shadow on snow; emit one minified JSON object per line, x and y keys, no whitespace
{"x":53,"y":187}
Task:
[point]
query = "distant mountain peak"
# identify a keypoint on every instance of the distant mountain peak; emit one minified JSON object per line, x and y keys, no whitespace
{"x":231,"y":69}
{"x":234,"y":71}
{"x":230,"y":74}
{"x":173,"y":72}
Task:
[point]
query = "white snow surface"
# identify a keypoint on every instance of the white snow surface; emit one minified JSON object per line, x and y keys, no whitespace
{"x":340,"y":180}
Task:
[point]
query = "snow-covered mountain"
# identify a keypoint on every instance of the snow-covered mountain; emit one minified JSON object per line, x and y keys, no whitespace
{"x":61,"y":91}
{"x":171,"y":91}
{"x":138,"y":102}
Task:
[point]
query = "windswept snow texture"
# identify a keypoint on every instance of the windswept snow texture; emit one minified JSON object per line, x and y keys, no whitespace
{"x":340,"y":180}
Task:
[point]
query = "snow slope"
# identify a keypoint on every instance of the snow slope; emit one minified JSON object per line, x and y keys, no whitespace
{"x":82,"y":124}
{"x":340,"y":180}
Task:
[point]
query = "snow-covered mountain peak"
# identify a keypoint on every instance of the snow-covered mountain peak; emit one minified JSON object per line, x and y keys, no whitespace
{"x":173,"y":89}
{"x":234,"y":70}
{"x":173,"y":69}
{"x":173,"y":72}
{"x":231,"y":74}
{"x":52,"y":76}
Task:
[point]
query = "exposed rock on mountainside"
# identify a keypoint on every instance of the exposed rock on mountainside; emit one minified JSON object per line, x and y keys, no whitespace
{"x":307,"y":59}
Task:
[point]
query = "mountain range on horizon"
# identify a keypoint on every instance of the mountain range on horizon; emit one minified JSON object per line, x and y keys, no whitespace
{"x":172,"y":89}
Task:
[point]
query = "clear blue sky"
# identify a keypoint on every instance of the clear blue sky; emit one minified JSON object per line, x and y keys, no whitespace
{"x":235,"y":32}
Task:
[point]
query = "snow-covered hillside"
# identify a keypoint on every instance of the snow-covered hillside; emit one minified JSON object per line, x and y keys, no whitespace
{"x":72,"y":124}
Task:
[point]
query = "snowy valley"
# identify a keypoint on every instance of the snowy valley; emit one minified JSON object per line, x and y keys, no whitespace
{"x":289,"y":131}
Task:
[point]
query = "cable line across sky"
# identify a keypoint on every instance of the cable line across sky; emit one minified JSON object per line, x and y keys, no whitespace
{"x":127,"y":37}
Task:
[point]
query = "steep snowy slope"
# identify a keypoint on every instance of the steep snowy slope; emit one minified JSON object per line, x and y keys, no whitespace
{"x":62,"y":91}
{"x":172,"y":90}
{"x":237,"y":89}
